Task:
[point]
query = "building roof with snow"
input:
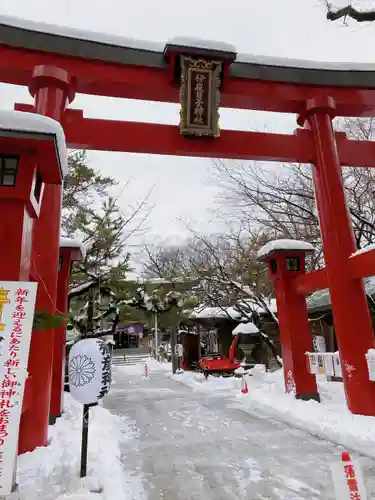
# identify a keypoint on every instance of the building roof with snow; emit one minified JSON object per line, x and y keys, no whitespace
{"x":252,"y":305}
{"x":211,"y":313}
{"x":321,"y":300}
{"x":236,"y":313}
{"x":317,"y":301}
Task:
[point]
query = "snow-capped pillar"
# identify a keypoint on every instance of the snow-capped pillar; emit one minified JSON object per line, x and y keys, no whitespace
{"x":17,"y":214}
{"x":70,"y":251}
{"x":349,"y":303}
{"x":52,"y":89}
{"x":286,"y":261}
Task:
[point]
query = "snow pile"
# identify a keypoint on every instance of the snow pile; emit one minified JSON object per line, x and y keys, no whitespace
{"x":199,"y":383}
{"x":154,"y":365}
{"x":139,"y":368}
{"x":216,"y":313}
{"x":329,"y":419}
{"x":52,"y":473}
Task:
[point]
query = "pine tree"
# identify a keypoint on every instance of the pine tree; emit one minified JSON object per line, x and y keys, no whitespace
{"x":92,"y":215}
{"x":83,"y":186}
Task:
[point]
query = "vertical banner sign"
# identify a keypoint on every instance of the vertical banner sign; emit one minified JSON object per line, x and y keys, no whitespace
{"x":319,"y":343}
{"x":313,"y":363}
{"x":17,"y":304}
{"x":348,"y":479}
{"x":337,"y":364}
{"x":179,"y":350}
{"x":370,"y":358}
{"x":321,"y":365}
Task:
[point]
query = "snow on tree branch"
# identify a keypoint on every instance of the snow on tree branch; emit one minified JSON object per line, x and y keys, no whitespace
{"x":349,"y":11}
{"x":154,"y":302}
{"x":82,"y":288}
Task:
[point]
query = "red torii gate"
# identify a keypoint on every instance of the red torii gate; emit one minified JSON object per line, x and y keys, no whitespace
{"x":55,"y":64}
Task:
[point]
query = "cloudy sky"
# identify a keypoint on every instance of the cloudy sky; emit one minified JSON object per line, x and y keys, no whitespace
{"x":181,"y":186}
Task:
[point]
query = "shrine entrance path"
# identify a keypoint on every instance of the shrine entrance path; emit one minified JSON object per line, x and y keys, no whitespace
{"x":191,"y":445}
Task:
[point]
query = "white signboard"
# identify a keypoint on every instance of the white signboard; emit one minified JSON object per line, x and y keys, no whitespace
{"x":89,"y":371}
{"x":370,"y":358}
{"x":324,"y":363}
{"x":17,"y":305}
{"x":312,"y":358}
{"x":108,"y":339}
{"x":321,"y":364}
{"x":319,"y":343}
{"x":348,"y":479}
{"x":179,"y":350}
{"x":329,"y":365}
{"x":337,"y":364}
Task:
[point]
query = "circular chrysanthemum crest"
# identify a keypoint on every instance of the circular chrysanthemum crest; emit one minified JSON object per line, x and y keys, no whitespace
{"x":81,"y":370}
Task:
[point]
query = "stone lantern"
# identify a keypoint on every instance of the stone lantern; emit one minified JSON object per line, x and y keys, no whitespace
{"x":32,"y":154}
{"x":70,"y":251}
{"x":286,"y":261}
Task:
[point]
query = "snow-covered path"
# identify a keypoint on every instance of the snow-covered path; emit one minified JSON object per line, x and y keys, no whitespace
{"x":196,"y":445}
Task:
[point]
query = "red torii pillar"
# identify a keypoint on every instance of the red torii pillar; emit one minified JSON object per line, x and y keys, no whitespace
{"x":52,"y":89}
{"x":70,"y":251}
{"x":284,"y":267}
{"x":28,"y":164}
{"x":351,"y":315}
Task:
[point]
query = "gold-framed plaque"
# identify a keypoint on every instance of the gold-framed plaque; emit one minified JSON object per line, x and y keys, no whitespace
{"x":200,"y":97}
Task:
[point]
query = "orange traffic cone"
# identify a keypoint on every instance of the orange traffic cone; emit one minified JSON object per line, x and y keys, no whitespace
{"x":244,"y":388}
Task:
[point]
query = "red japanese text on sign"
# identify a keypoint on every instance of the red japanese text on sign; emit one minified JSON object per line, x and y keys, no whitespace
{"x":17,"y":304}
{"x":9,"y":384}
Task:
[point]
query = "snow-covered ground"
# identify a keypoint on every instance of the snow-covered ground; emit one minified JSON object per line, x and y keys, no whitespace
{"x":53,"y":472}
{"x":200,"y":438}
{"x":329,"y":419}
{"x":165,"y":436}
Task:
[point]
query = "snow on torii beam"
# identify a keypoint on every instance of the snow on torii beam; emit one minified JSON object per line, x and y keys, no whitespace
{"x":114,"y":66}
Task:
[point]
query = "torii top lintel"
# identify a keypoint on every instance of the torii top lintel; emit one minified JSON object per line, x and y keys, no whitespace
{"x":118,"y":67}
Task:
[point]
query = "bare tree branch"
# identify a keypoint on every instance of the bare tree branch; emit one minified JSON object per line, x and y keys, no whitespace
{"x":280,"y":199}
{"x":349,"y":11}
{"x":223,"y":267}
